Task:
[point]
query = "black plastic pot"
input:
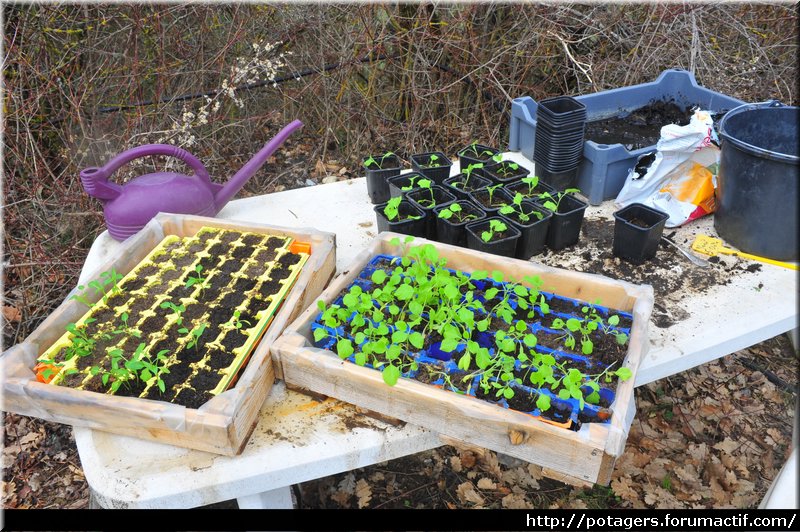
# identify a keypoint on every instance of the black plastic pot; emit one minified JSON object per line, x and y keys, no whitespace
{"x":500,"y":196}
{"x":533,"y":232}
{"x":451,"y":231}
{"x":438,"y":173}
{"x":561,"y":111}
{"x":560,"y":180}
{"x":454,"y":184}
{"x":495,"y":172}
{"x":506,"y":245}
{"x":565,"y":226}
{"x":377,"y":187}
{"x":637,"y":232}
{"x":441,"y":197}
{"x":466,"y":155}
{"x":399,"y":182}
{"x":413,"y":227}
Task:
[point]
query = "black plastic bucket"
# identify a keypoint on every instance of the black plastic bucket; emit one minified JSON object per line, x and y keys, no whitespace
{"x":756,"y":192}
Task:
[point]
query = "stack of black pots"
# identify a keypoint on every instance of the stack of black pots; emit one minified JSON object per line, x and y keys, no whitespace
{"x":558,"y":149}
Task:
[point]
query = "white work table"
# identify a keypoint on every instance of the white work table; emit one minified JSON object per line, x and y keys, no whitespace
{"x":299,"y":439}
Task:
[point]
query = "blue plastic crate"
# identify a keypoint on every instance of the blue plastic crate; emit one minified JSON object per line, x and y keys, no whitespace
{"x":604,"y":167}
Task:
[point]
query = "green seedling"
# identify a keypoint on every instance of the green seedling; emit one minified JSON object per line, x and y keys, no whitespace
{"x":125,"y":329}
{"x":532,"y":181}
{"x":176,"y":309}
{"x":100,"y":286}
{"x":516,"y":208}
{"x":554,"y":202}
{"x":495,"y":226}
{"x":194,"y":334}
{"x":236,"y":323}
{"x":138,"y":366}
{"x":455,"y":211}
{"x":81,"y":344}
{"x":506,"y":168}
{"x":195,"y":278}
{"x":491,"y":189}
{"x":426,"y":184}
{"x":412,"y":179}
{"x":433,"y":161}
{"x":476,"y":151}
{"x":392,"y":209}
{"x":378,"y":163}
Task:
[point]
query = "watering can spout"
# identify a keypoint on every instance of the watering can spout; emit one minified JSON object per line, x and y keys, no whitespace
{"x":253,"y":165}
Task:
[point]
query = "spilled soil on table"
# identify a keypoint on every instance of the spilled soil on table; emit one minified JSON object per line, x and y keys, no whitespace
{"x":672,"y":276}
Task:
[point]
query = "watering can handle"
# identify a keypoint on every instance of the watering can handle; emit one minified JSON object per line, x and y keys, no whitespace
{"x":96,"y":180}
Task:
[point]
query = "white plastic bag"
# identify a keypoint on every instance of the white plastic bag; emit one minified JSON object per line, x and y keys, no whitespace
{"x":681,"y":179}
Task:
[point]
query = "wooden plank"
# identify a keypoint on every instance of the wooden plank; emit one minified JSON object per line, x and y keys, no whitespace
{"x":224,"y":423}
{"x":583,"y":455}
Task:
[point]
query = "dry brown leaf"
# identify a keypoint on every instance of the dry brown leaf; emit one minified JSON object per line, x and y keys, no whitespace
{"x":347,"y":487}
{"x":455,"y":464}
{"x":491,"y":464}
{"x":35,"y":482}
{"x":472,"y":474}
{"x":728,"y":445}
{"x":666,"y":500}
{"x":363,"y":493}
{"x":486,"y":484}
{"x":466,"y":493}
{"x":698,"y":452}
{"x":467,"y":459}
{"x":624,"y":489}
{"x":535,"y":471}
{"x":515,"y":502}
{"x":11,"y":314}
{"x":319,"y":169}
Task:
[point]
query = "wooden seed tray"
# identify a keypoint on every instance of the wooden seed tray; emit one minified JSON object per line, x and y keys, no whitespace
{"x":176,"y":249}
{"x":224,"y":423}
{"x":580,"y":457}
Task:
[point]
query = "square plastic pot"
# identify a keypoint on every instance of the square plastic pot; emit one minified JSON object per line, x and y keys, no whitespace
{"x":533,"y":232}
{"x":637,"y":232}
{"x":558,"y":180}
{"x":505,"y":246}
{"x":474,"y":182}
{"x":565,"y":226}
{"x":499,"y":196}
{"x":377,"y":187}
{"x":466,"y":155}
{"x":398,"y":182}
{"x":413,"y":227}
{"x":419,"y":196}
{"x":492,"y":172}
{"x":437,"y":173}
{"x":451,"y":231}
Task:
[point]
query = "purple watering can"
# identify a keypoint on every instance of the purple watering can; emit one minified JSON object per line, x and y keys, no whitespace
{"x":129,"y":207}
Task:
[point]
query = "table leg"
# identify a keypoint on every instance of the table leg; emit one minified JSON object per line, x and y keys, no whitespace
{"x":280,"y":498}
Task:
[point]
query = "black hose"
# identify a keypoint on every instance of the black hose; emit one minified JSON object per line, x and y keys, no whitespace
{"x":293,"y":76}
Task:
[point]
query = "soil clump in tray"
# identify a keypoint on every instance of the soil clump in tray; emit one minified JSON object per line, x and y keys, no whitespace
{"x":639,"y":128}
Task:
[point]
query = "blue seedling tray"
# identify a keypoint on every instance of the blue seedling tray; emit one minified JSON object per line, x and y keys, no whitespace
{"x":590,"y":412}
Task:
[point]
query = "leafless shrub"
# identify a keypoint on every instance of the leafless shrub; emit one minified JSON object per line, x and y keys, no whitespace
{"x":84,"y":82}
